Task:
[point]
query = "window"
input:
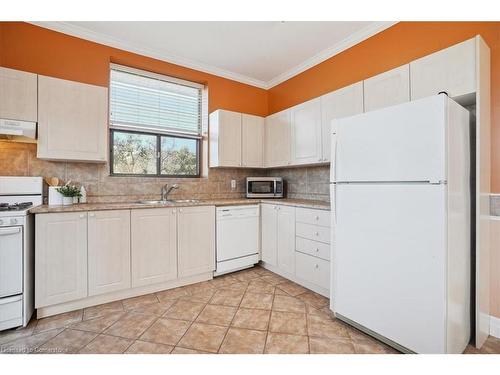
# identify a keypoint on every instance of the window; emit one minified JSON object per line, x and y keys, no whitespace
{"x":155,"y":124}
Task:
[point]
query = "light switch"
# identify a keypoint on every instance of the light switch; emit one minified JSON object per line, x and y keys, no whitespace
{"x":233,"y":184}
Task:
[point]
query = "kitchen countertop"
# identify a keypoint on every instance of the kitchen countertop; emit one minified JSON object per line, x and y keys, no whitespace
{"x":322,"y":205}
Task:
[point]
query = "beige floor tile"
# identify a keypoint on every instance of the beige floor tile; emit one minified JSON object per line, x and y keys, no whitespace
{"x":223,"y":281}
{"x":314,"y":299}
{"x":280,"y":292}
{"x":262,"y":271}
{"x":280,"y":343}
{"x":141,"y":301}
{"x":365,"y":344}
{"x":292,"y":288}
{"x":29,"y":344}
{"x":257,"y":301}
{"x":240,"y":285}
{"x":288,"y":322}
{"x":104,"y":309}
{"x":274,"y":279}
{"x":217,"y":314}
{"x":179,"y":350}
{"x":227,"y":297}
{"x":288,"y":304}
{"x":319,"y":327}
{"x":17,"y":333}
{"x":172,"y":293}
{"x":243,"y":341}
{"x":259,"y":286}
{"x":99,"y":324}
{"x":131,"y":325}
{"x":491,"y":346}
{"x":68,"y":341}
{"x":203,"y":297}
{"x":322,"y":345}
{"x":205,"y":337}
{"x":104,"y":344}
{"x":204,"y":286}
{"x":144,"y":347}
{"x":185,"y":310}
{"x":158,"y":308}
{"x":166,"y":331}
{"x":58,"y":321}
{"x":246,"y":275}
{"x":251,"y":319}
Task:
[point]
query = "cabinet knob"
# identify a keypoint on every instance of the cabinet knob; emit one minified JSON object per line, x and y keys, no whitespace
{"x":316,"y":234}
{"x":91,"y":215}
{"x":180,"y":209}
{"x":173,"y":211}
{"x":317,"y":266}
{"x":317,"y":250}
{"x":82,"y":216}
{"x":317,"y":217}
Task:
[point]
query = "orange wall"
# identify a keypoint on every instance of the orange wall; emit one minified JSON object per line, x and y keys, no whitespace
{"x":34,"y":49}
{"x":393,"y":47}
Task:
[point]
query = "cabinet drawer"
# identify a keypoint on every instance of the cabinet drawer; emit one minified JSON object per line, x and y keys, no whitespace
{"x":314,"y":248}
{"x":313,"y":232}
{"x":313,"y":270}
{"x":11,"y":308}
{"x":310,"y":216}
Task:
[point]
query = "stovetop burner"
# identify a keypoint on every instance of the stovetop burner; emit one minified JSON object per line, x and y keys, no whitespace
{"x":15,"y":206}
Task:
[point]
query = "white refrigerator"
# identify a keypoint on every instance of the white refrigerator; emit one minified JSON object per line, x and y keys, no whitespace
{"x":401,"y":224}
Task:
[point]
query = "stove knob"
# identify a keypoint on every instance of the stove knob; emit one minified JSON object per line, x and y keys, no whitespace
{"x":13,"y":221}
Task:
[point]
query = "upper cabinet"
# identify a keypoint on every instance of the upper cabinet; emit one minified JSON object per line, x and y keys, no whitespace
{"x":18,"y":95}
{"x":72,"y":120}
{"x":452,"y":70}
{"x":347,"y":101}
{"x":306,"y":133}
{"x":386,"y":89}
{"x":225,"y":139}
{"x":252,"y":141}
{"x":277,"y":139}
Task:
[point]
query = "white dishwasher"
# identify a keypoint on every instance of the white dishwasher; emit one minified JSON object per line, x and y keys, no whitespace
{"x":238,"y":234}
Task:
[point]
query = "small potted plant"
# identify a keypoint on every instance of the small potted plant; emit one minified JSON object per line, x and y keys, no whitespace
{"x":69,"y":192}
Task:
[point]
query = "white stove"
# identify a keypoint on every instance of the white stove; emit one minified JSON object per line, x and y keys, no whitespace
{"x":17,"y":196}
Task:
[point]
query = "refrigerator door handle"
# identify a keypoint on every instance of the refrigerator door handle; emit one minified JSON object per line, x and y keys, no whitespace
{"x":333,"y":154}
{"x":333,"y":204}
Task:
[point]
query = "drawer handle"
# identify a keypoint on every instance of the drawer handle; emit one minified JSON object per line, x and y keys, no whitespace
{"x":82,"y":216}
{"x":317,"y":266}
{"x":316,"y":233}
{"x":8,"y":231}
{"x":317,"y":250}
{"x":317,"y":217}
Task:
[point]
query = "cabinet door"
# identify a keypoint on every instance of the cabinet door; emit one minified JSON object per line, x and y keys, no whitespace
{"x":388,"y":88}
{"x":252,"y":141}
{"x":60,"y":258}
{"x":347,"y":101}
{"x":269,"y":235}
{"x":452,"y":70}
{"x":306,"y":132}
{"x":72,"y":120}
{"x":196,"y":240}
{"x":277,"y":139}
{"x":286,"y":238}
{"x":153,"y":245}
{"x":18,"y":96}
{"x":225,"y":139}
{"x":109,"y":251}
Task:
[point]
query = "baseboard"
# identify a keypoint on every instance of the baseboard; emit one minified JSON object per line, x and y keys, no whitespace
{"x":495,"y":327}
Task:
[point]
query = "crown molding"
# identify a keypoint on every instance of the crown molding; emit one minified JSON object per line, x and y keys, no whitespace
{"x":83,"y":33}
{"x":353,"y":39}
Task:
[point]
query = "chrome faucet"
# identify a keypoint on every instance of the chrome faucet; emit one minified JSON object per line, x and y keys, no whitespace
{"x":165,"y":191}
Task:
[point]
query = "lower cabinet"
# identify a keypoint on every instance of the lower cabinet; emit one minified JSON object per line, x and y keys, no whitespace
{"x":108,"y":251}
{"x":196,"y":240}
{"x":154,"y":245}
{"x":60,"y":258}
{"x":278,"y":236}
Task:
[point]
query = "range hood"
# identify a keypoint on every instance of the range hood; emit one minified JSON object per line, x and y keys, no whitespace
{"x":17,"y":128}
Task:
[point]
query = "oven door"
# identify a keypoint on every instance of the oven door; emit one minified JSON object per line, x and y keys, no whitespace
{"x":11,"y":261}
{"x":260,"y":188}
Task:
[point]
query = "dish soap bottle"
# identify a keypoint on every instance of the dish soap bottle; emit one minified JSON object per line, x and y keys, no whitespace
{"x":83,"y":196}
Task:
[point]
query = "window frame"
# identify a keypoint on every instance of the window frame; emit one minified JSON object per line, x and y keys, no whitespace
{"x":144,"y":130}
{"x":158,"y":173}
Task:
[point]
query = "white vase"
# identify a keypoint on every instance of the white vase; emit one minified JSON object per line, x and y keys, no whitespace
{"x":55,"y":198}
{"x":66,"y":201}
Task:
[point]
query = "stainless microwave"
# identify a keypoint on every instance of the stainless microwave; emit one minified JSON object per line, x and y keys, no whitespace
{"x":265,"y":187}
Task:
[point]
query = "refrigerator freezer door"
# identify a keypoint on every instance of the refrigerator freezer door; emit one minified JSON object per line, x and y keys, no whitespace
{"x":400,"y":143}
{"x":389,"y":261}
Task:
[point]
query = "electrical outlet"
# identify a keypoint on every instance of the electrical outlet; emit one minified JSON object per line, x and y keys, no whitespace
{"x":233,"y":184}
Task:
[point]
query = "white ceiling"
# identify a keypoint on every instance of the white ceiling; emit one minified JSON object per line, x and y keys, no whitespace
{"x":261,"y":54}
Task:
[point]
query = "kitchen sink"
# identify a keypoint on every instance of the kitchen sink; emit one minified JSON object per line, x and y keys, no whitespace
{"x":154,"y":202}
{"x":169,"y":201}
{"x":184,"y":200}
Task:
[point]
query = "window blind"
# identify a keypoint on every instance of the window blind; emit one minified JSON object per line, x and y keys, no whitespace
{"x":152,"y":102}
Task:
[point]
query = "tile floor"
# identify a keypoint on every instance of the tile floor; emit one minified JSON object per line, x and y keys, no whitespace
{"x":251,"y":311}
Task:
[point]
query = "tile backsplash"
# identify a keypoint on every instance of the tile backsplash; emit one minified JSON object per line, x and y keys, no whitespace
{"x":19,"y":159}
